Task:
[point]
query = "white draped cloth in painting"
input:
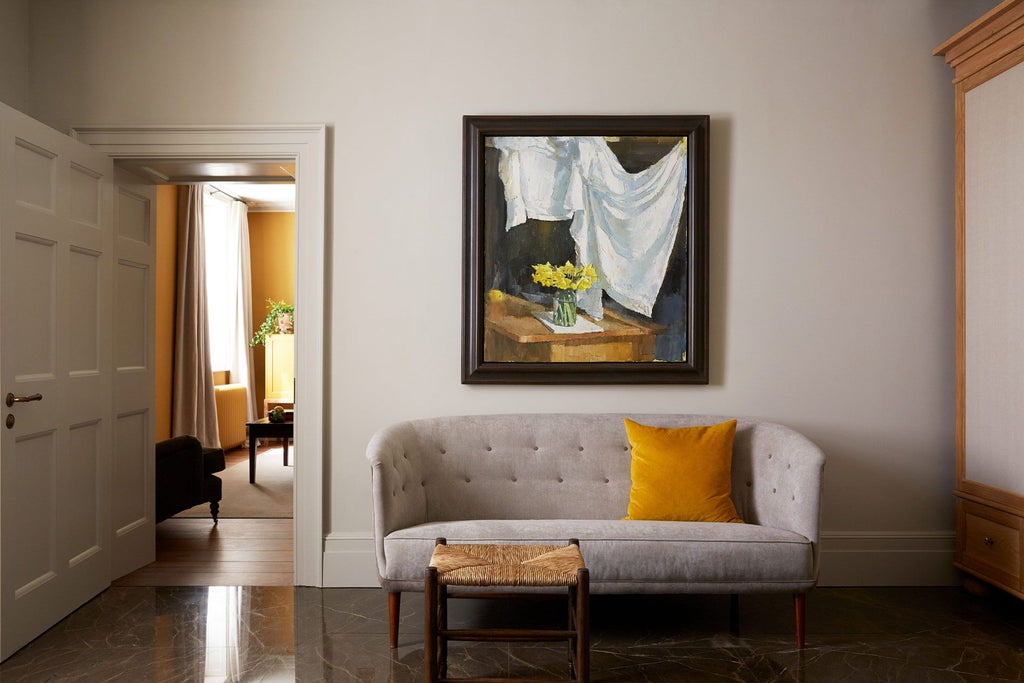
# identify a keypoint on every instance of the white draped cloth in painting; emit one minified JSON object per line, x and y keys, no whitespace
{"x":624,"y":223}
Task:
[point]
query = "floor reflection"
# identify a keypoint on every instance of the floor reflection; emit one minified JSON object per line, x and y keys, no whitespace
{"x":306,"y":634}
{"x":225,"y":654}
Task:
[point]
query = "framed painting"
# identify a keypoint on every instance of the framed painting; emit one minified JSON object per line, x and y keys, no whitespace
{"x":585,"y":249}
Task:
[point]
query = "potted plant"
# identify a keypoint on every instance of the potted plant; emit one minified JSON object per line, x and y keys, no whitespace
{"x":280,"y":320}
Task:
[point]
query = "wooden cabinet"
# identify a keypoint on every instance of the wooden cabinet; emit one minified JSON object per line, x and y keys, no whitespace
{"x":279,"y":371}
{"x":988,"y":59}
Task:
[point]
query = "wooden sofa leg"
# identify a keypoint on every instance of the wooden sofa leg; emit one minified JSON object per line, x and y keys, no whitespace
{"x":394,"y":611}
{"x":799,"y":608}
{"x":734,"y":614}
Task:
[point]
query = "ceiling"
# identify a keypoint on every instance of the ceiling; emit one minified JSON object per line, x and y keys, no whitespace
{"x":263,"y":184}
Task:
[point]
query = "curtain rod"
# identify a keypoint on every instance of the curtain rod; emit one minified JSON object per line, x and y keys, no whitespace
{"x":226,"y":194}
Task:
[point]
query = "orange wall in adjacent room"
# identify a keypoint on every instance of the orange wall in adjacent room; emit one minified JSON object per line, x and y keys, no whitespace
{"x":166,"y":274}
{"x":272,"y":258}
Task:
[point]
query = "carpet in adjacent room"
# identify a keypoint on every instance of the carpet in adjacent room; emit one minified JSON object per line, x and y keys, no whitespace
{"x":269,"y":497}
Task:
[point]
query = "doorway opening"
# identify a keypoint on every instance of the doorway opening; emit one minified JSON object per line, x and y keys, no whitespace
{"x":305,"y":147}
{"x":249,"y":243}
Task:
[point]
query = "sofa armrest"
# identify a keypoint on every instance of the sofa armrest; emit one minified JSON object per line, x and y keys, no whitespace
{"x":780,"y":484}
{"x":179,"y":475}
{"x":399,"y":499}
{"x":179,"y":459}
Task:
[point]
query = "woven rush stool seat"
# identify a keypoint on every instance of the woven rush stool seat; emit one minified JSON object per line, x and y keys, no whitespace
{"x":508,"y":566}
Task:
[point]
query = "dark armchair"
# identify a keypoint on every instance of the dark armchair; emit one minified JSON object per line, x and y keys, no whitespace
{"x":185,"y":476}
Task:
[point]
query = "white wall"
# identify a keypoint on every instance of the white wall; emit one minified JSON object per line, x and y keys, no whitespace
{"x":14,"y":52}
{"x":831,"y":207}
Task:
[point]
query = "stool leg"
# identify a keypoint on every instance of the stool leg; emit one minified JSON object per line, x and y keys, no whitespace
{"x":442,"y":644}
{"x":430,"y":672}
{"x":583,"y":625}
{"x":574,"y":638}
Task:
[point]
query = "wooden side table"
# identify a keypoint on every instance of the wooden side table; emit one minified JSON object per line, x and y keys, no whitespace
{"x":264,"y":428}
{"x":512,"y":333}
{"x":511,"y":566}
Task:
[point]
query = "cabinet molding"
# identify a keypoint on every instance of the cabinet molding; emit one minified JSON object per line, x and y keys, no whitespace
{"x":985,"y":42}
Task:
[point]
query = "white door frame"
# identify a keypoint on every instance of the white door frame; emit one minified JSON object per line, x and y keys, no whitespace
{"x":306,"y":145}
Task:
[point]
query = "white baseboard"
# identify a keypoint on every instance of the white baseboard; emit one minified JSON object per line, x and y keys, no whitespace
{"x":349,"y":560}
{"x":848,"y":558}
{"x":887,"y":558}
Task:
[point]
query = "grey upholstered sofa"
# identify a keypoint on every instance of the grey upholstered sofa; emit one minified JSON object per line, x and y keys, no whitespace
{"x":548,"y":478}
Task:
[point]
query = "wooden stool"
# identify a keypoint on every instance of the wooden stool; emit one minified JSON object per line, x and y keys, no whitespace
{"x":512,"y":566}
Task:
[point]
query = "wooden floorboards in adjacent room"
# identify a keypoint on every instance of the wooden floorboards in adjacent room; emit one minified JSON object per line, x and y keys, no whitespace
{"x":236,"y":552}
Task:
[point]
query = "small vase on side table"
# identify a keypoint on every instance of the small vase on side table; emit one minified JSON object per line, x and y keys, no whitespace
{"x":564,"y":312}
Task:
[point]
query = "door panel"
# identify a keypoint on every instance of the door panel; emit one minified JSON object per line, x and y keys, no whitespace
{"x":134,"y":323}
{"x":84,"y":274}
{"x":33,"y":539}
{"x":33,"y":347}
{"x":56,"y":265}
{"x":130,"y":434}
{"x":85,"y":192}
{"x":132,"y":310}
{"x":134,"y":208}
{"x":36,"y":175}
{"x":82,"y":536}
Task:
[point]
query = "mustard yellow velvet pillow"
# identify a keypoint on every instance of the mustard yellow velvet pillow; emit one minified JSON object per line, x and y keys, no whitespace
{"x":682,"y":474}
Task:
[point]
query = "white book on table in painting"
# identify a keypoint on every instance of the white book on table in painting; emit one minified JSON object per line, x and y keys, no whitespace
{"x":582,"y":326}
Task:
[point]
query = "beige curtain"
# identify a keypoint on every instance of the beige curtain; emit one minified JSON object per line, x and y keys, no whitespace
{"x":241,"y":322}
{"x":193,"y":405}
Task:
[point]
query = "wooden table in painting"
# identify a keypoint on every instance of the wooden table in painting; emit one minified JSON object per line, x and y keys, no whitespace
{"x":513,"y":334}
{"x":271,"y":430}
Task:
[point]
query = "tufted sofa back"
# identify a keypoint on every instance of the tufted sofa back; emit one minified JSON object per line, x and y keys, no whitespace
{"x":570,"y":466}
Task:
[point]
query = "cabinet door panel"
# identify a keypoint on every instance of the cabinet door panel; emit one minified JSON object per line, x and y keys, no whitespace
{"x":993,"y":285}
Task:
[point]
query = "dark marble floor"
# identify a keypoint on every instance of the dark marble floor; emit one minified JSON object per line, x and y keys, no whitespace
{"x":284,"y":634}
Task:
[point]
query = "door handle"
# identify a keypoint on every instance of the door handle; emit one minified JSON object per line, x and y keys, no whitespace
{"x":12,"y":399}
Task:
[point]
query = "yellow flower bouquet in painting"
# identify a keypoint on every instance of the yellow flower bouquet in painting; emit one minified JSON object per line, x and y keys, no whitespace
{"x":567,"y":280}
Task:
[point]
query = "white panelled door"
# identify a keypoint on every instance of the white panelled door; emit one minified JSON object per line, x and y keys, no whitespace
{"x":134,"y":327}
{"x":62,"y":448}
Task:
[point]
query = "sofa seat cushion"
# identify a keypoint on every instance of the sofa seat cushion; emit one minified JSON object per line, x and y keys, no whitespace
{"x":631,"y":556}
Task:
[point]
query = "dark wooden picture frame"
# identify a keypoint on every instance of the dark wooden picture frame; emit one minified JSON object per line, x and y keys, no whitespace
{"x":503,"y":340}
